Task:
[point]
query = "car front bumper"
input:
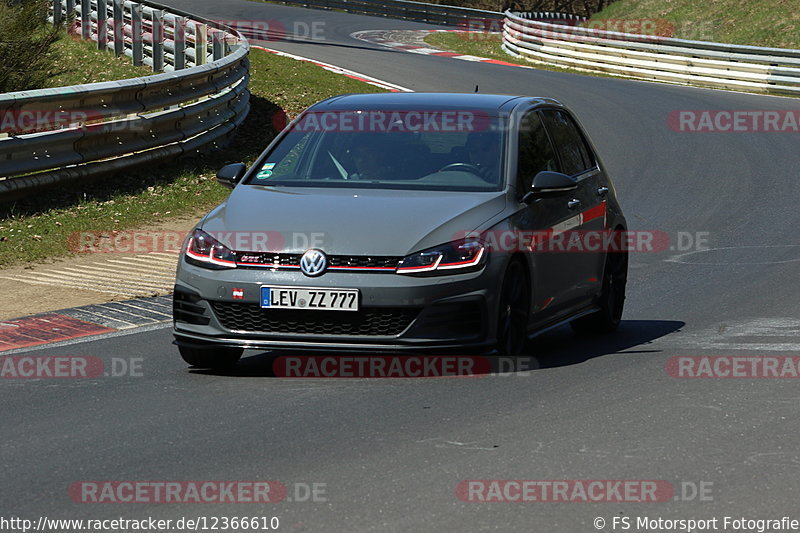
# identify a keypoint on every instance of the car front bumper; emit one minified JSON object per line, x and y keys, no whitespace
{"x":396,"y":312}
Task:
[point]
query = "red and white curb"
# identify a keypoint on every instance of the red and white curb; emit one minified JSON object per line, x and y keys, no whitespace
{"x":67,"y":325}
{"x":343,"y":71}
{"x":382,"y":37}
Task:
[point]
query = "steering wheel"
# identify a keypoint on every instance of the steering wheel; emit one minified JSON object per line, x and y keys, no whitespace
{"x":462,"y":166}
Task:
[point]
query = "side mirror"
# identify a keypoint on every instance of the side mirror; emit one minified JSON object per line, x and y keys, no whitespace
{"x":229,"y":175}
{"x":548,"y":183}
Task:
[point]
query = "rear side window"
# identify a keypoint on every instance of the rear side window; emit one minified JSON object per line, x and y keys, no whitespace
{"x":535,"y":151}
{"x":572,"y":149}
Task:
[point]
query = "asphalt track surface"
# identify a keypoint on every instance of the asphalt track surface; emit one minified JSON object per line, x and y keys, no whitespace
{"x":392,"y":452}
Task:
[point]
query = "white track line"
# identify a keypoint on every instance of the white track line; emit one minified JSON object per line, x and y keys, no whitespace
{"x":126,"y":270}
{"x":112,"y":279}
{"x":340,"y":70}
{"x":65,"y":283}
{"x":109,"y":280}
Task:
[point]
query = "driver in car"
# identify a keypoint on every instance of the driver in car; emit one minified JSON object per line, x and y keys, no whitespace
{"x":367,"y":158}
{"x":483,"y":154}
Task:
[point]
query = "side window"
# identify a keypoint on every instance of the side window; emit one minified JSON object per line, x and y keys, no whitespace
{"x":535,"y":151}
{"x":575,"y":155}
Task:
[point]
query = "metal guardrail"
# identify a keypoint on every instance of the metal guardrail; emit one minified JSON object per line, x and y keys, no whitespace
{"x":49,"y":136}
{"x":557,"y":39}
{"x":403,"y":9}
{"x":202,"y":95}
{"x":700,"y":63}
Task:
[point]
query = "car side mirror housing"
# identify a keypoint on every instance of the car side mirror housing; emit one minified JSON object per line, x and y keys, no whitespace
{"x":548,"y":183}
{"x":229,"y":175}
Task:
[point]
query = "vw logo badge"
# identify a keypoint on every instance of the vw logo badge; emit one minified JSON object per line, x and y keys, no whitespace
{"x":313,"y":263}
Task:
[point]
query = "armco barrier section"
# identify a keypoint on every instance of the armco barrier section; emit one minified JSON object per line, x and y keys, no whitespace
{"x":403,"y":9}
{"x":201,"y":94}
{"x":49,"y":136}
{"x":652,"y":57}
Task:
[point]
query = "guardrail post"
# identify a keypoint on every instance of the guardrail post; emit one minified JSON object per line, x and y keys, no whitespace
{"x":102,"y":24}
{"x":57,"y":14}
{"x":228,"y":43}
{"x":158,"y":40}
{"x":119,"y":27}
{"x":86,"y":19}
{"x":200,"y":44}
{"x":205,"y":119}
{"x":179,"y":39}
{"x":136,"y":35}
{"x":217,"y":41}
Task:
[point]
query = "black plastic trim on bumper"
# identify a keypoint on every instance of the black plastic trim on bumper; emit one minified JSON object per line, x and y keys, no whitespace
{"x":188,"y":339}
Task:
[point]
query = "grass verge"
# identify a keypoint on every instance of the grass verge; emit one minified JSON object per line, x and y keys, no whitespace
{"x":81,"y":62}
{"x":771,"y":23}
{"x":486,"y":45}
{"x":38,"y":228}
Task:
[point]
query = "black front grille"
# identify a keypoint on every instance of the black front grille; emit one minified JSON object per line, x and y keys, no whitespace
{"x":278,"y":260}
{"x":185,"y":308}
{"x":362,"y":261}
{"x":370,"y":321}
{"x":268,"y":258}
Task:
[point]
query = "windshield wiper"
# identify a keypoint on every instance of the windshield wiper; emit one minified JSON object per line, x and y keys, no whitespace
{"x":339,"y":166}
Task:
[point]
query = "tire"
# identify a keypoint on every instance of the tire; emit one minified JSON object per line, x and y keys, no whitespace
{"x":611,"y":299}
{"x":513,"y":311}
{"x":214,"y":358}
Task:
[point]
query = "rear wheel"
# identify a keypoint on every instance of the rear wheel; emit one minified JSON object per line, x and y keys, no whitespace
{"x":611,"y":300}
{"x":514,"y":307}
{"x":211,"y":357}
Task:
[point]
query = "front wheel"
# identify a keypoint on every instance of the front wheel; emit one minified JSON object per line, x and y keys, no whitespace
{"x":214,"y":358}
{"x":514,"y":307}
{"x":611,"y":300}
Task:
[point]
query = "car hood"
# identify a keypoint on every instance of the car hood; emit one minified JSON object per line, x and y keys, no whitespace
{"x":349,"y":221}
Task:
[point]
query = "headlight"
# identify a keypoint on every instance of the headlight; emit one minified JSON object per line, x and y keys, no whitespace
{"x":453,"y":258}
{"x":206,"y":251}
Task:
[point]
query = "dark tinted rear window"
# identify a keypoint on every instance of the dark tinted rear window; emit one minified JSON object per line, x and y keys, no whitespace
{"x":572,"y":149}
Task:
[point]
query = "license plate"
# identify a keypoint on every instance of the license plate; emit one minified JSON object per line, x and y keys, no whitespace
{"x":309,"y":298}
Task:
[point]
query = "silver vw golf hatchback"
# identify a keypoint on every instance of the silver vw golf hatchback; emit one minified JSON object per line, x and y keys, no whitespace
{"x":406,"y":221}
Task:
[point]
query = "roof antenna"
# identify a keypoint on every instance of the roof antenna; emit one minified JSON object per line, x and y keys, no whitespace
{"x":476,"y":88}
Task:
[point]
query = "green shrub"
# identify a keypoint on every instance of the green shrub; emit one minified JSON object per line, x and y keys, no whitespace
{"x":26,"y":39}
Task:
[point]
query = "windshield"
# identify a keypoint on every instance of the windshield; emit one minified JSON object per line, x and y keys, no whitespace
{"x":430,"y":150}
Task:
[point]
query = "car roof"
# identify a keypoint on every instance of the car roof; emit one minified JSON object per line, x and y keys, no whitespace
{"x":491,"y":104}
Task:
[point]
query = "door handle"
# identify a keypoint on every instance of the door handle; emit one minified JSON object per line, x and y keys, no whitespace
{"x":602,"y":191}
{"x":574,"y":203}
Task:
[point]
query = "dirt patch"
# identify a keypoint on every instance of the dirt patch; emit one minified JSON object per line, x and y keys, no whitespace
{"x":93,"y":278}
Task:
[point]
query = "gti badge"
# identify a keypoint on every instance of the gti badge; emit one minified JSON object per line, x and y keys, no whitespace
{"x":313,"y":263}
